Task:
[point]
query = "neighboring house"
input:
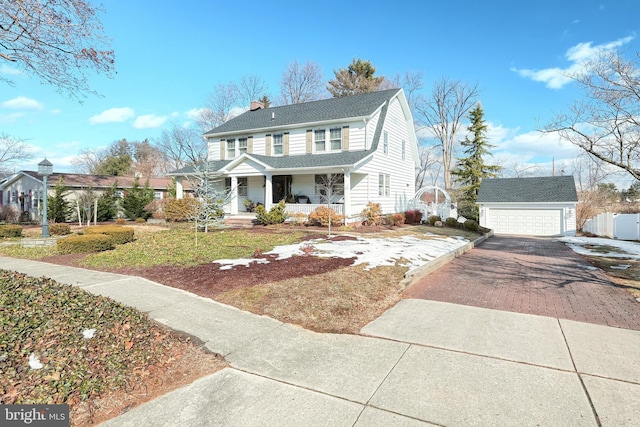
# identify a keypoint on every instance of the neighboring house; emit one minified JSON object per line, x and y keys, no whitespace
{"x":23,"y":190}
{"x":367,"y":142}
{"x":542,"y":206}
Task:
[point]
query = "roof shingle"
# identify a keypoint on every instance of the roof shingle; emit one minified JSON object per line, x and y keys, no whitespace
{"x":528,"y":190}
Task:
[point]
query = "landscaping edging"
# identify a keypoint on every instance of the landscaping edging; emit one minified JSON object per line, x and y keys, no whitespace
{"x":416,"y":274}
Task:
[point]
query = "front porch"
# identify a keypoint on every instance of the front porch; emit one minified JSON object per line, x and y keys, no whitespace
{"x":247,"y":219}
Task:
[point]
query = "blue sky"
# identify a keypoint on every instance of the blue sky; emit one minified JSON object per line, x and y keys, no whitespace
{"x":171,"y":55}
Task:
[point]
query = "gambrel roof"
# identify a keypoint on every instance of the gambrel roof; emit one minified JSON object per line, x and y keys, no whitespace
{"x":348,"y":108}
{"x":332,"y":109}
{"x":547,"y":189}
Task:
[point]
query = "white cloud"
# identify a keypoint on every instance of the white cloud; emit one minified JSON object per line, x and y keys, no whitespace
{"x":6,"y":119}
{"x":147,"y":121}
{"x":195,"y":113}
{"x":113,"y":115}
{"x":578,"y":55}
{"x":22,"y":103}
{"x":11,"y":71}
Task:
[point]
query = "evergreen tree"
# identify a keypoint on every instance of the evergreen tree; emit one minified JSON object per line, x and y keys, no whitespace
{"x":136,"y":199}
{"x":58,"y":209}
{"x":472,"y":169}
{"x":108,"y":203}
{"x":357,"y":78}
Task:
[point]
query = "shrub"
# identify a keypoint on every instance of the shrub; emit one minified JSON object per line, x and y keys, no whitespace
{"x":298,"y":218}
{"x":10,"y":231}
{"x":119,"y":235}
{"x":121,"y":221}
{"x":84,"y":243}
{"x":58,"y":229}
{"x":322,"y":214}
{"x":433,"y":219}
{"x":157,"y":208}
{"x":372,"y":214}
{"x":180,"y":210}
{"x":451,"y":222}
{"x":413,"y":216}
{"x":395,"y":219}
{"x":140,"y":220}
{"x":471,"y":225}
{"x":276,"y":214}
{"x":8,"y":214}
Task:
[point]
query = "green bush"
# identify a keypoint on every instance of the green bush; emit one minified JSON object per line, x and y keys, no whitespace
{"x":180,"y":210}
{"x":471,"y":225}
{"x":276,"y":214}
{"x":59,"y":229}
{"x":84,"y":243}
{"x":10,"y":231}
{"x":322,"y":214}
{"x":433,"y":219}
{"x":451,"y":222}
{"x":119,"y":235}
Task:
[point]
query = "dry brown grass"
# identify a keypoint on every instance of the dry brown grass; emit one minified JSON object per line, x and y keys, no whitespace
{"x":629,"y":278}
{"x":340,"y":301}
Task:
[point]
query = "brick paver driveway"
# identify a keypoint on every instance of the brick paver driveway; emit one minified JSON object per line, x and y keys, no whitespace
{"x":531,"y":275}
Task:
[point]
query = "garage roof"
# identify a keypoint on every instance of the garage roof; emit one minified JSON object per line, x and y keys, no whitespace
{"x":528,"y":190}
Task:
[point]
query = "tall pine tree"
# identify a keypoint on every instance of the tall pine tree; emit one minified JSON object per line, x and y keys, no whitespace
{"x":472,"y":169}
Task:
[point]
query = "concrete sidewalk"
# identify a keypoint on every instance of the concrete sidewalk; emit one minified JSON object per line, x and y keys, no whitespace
{"x":421,"y":363}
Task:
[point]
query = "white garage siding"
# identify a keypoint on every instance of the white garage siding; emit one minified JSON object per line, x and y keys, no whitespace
{"x":533,"y":222}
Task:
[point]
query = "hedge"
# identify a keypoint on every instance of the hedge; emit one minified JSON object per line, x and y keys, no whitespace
{"x":84,"y":243}
{"x":119,"y":235}
{"x":10,"y":231}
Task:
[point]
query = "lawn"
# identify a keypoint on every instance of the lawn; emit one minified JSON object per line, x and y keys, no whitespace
{"x":131,"y":358}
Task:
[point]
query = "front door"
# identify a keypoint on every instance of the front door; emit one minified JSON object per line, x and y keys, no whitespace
{"x":281,"y":187}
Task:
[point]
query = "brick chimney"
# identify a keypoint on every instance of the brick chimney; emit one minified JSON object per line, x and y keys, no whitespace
{"x":256,"y":105}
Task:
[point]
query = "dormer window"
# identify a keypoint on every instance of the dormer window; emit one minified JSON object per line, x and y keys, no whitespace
{"x":336,"y":139}
{"x":320,"y":139}
{"x":242,"y":146}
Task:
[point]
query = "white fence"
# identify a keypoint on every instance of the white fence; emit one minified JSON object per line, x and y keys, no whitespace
{"x":615,"y":226}
{"x":307,"y":208}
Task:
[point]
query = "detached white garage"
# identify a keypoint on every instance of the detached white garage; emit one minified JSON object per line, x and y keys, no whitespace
{"x":540,"y":206}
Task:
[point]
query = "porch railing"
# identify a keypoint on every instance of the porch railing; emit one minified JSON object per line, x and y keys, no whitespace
{"x":307,"y":208}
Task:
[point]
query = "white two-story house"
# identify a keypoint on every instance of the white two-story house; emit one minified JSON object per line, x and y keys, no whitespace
{"x":365,"y":143}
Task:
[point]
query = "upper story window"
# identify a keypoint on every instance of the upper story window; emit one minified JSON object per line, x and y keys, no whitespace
{"x":320,"y":139}
{"x":231,"y":148}
{"x":242,"y":145}
{"x":277,"y":144}
{"x":404,"y":150}
{"x":385,"y":143}
{"x":336,"y":138}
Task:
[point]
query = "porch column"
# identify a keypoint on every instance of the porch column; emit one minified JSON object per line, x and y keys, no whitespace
{"x":347,"y":195}
{"x":268,"y":192}
{"x":234,"y":195}
{"x":179,"y":189}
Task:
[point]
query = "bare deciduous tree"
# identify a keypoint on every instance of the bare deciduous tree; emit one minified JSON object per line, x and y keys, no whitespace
{"x":430,"y":165}
{"x":88,"y":161}
{"x":606,"y":122}
{"x":182,"y":147}
{"x":250,"y":88}
{"x":411,"y":82}
{"x":12,"y":150}
{"x":443,"y":113}
{"x":301,"y":83}
{"x":59,"y":41}
{"x":218,"y":106}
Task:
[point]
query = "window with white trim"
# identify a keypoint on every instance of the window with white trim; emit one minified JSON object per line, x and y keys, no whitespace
{"x":336,"y":138}
{"x":320,"y":139}
{"x":277,"y":144}
{"x":231,"y":148}
{"x":242,"y":146}
{"x":332,"y":182}
{"x":243,"y":185}
{"x":384,"y":185}
{"x":404,"y":149}
{"x":385,"y":146}
{"x":157,"y":195}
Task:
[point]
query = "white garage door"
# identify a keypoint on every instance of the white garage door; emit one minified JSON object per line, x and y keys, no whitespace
{"x":533,"y":222}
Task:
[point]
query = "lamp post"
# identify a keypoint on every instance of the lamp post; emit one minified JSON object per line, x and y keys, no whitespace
{"x":45,"y":168}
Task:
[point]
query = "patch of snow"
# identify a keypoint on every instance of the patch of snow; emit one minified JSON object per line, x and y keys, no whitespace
{"x":587,"y":267}
{"x":621,"y":266}
{"x":409,"y":251}
{"x":88,"y":333}
{"x":34,"y":362}
{"x":577,"y":244}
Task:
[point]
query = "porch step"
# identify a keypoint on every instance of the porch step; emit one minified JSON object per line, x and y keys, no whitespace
{"x":240,"y":221}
